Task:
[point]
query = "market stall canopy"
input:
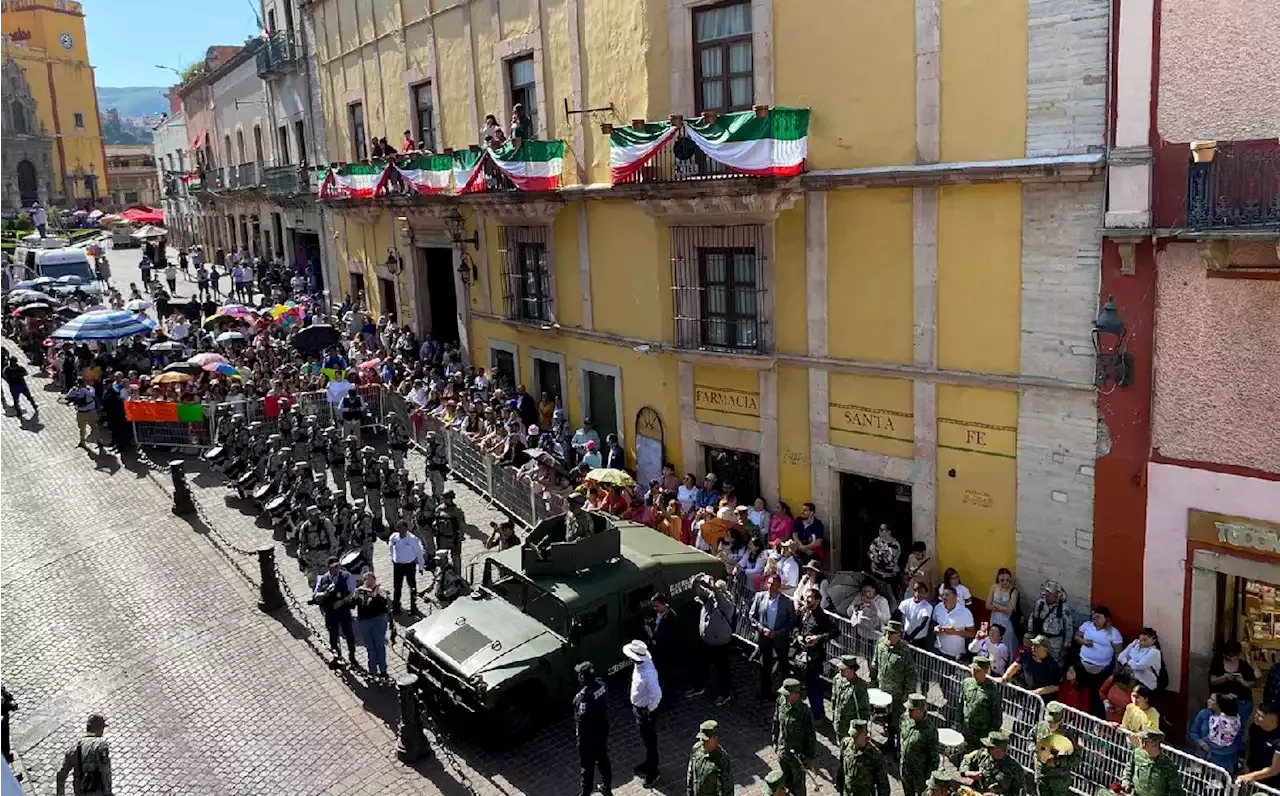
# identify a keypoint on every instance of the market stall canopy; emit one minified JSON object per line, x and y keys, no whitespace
{"x":143,"y":215}
{"x":151,"y":231}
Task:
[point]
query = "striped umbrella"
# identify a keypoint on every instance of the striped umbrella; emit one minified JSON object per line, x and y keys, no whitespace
{"x":104,"y":325}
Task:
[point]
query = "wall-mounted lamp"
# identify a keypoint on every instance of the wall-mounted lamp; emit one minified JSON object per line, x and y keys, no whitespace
{"x":1114,"y":364}
{"x":456,"y":226}
{"x":395,"y":263}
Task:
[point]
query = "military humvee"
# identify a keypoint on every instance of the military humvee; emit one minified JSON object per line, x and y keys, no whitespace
{"x":505,"y":653}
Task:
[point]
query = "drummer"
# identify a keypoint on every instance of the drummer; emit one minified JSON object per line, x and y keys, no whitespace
{"x":1052,"y":769}
{"x":991,"y":769}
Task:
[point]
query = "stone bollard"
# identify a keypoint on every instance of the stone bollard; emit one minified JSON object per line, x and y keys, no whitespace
{"x":182,"y":503}
{"x":270,"y":597}
{"x":412,"y":742}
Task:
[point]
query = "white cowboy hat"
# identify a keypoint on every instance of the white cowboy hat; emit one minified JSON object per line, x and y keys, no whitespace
{"x":636,"y":650}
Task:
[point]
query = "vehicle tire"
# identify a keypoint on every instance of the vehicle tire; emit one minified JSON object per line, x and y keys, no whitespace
{"x":518,"y":713}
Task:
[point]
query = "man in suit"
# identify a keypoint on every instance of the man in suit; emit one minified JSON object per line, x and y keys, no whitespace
{"x":774,"y":616}
{"x":664,"y":641}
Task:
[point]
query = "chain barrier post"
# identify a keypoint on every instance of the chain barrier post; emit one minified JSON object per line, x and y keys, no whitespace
{"x":411,"y":744}
{"x":270,"y":595}
{"x":182,"y":502}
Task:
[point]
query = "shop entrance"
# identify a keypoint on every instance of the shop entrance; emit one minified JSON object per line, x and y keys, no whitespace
{"x":739,"y":469}
{"x":865,"y":504}
{"x":306,"y":258}
{"x":1249,"y":612}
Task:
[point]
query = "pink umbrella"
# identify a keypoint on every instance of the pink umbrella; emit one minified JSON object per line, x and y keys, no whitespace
{"x":206,"y":358}
{"x":237,"y":311}
{"x":371,"y":364}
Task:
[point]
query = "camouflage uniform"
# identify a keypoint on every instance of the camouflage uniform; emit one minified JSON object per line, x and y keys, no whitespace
{"x":893,"y":672}
{"x":980,"y":703}
{"x":709,"y":773}
{"x":450,"y":525}
{"x":794,"y":736}
{"x":1052,"y":779}
{"x":316,"y":543}
{"x":1003,"y":776}
{"x":863,"y":771}
{"x":918,"y":748}
{"x":849,"y":699}
{"x":577,"y":524}
{"x":88,"y":759}
{"x":1152,"y":776}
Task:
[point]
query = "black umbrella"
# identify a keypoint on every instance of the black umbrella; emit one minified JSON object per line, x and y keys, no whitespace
{"x":184,"y":367}
{"x":36,"y":309}
{"x":314,"y":339}
{"x":69,"y":312}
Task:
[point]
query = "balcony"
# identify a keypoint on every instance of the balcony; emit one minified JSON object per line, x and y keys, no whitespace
{"x":244,"y":176}
{"x":277,"y":55}
{"x":289,"y":180}
{"x":1235,"y":187}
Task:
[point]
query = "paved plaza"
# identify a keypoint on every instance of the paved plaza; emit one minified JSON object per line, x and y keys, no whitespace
{"x":110,"y":603}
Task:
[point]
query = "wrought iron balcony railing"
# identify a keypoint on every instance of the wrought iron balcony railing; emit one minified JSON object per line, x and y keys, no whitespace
{"x":682,"y":161}
{"x":288,"y":180}
{"x":244,"y":176}
{"x":277,"y":54}
{"x":1239,"y":189}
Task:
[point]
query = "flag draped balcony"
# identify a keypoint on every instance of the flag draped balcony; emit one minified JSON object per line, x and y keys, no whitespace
{"x":764,"y":142}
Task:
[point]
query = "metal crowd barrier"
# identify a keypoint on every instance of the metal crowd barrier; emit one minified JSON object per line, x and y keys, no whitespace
{"x":181,"y":436}
{"x":1106,"y":749}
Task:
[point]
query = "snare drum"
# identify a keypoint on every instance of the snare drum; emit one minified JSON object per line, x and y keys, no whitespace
{"x":277,"y":503}
{"x":880,"y":700}
{"x":214,"y":454}
{"x":264,"y":490}
{"x":353,"y":562}
{"x":952,"y":743}
{"x":246,"y":479}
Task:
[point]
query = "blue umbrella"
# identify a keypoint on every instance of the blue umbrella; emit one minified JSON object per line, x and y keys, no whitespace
{"x":104,"y":325}
{"x":26,"y":284}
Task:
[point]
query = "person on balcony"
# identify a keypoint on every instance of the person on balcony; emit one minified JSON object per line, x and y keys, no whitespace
{"x":521,"y":124}
{"x":491,"y":133}
{"x":409,"y":145}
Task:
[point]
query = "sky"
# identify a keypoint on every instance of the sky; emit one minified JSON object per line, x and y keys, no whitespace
{"x":127,"y":38}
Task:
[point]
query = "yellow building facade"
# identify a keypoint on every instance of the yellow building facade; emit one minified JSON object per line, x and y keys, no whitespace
{"x":46,"y":40}
{"x":908,"y":339}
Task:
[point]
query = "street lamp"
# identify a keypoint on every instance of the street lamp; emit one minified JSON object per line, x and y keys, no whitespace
{"x":1114,"y":364}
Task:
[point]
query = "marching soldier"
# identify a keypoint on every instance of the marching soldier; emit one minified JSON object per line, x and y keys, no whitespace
{"x":316,"y":544}
{"x":333,"y":451}
{"x":577,"y":523}
{"x":940,"y":783}
{"x":591,"y":724}
{"x":849,"y":699}
{"x":775,"y":783}
{"x":388,"y":478}
{"x":300,"y":437}
{"x":317,"y":436}
{"x":709,"y":772}
{"x":893,"y":672}
{"x":370,"y":473}
{"x":991,"y":768}
{"x":1052,"y":770}
{"x":88,"y":762}
{"x":918,"y":745}
{"x":362,"y":533}
{"x":1150,"y":772}
{"x":863,"y":771}
{"x":794,"y":738}
{"x":397,"y":440}
{"x":450,"y":524}
{"x":351,"y":453}
{"x":980,"y":703}
{"x":437,"y":463}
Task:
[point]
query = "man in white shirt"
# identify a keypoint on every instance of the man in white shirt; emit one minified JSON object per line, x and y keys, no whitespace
{"x":406,"y":562}
{"x":916,"y":612}
{"x":953,"y":625}
{"x":418,"y":395}
{"x":179,"y":329}
{"x":646,"y":693}
{"x":788,"y":567}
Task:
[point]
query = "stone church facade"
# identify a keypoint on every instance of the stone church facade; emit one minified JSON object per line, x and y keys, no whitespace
{"x":26,"y":152}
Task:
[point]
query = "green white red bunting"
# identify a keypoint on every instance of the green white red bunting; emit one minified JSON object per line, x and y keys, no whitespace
{"x":533,"y":165}
{"x":353,"y":181}
{"x":468,"y":177}
{"x":425,"y":174}
{"x":774,"y":145}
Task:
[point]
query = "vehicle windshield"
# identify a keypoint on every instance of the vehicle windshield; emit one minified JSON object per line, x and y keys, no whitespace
{"x":74,"y":268}
{"x":531,"y":599}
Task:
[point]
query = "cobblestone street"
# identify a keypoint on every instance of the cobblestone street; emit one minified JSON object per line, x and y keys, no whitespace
{"x":112,"y":604}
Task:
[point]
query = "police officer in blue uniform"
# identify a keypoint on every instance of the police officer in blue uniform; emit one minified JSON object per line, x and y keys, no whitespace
{"x":591,"y":721}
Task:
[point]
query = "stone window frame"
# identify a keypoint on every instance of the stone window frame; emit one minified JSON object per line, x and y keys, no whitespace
{"x":548,"y":231}
{"x":506,"y":51}
{"x":587,"y":365}
{"x":536,"y":354}
{"x":502,"y":345}
{"x":710,"y":231}
{"x":680,"y":43}
{"x":413,"y":78}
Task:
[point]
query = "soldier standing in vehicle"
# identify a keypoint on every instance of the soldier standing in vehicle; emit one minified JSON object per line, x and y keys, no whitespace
{"x":862,"y":768}
{"x":775,"y":783}
{"x":577,"y":523}
{"x":1052,"y":775}
{"x":710,"y":772}
{"x":591,"y":722}
{"x":1150,"y":772}
{"x":794,"y":738}
{"x":893,"y":672}
{"x":450,"y":525}
{"x":849,"y":698}
{"x":991,"y":768}
{"x":88,"y":761}
{"x":918,"y":745}
{"x":980,"y":701}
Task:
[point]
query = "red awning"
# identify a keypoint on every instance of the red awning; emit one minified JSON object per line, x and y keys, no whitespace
{"x":143,"y":215}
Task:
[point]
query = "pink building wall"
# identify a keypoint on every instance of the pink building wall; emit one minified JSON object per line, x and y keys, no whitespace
{"x":1219,"y":70}
{"x":1217,"y":365}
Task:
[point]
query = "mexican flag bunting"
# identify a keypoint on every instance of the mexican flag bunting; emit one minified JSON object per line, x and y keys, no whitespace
{"x":630,"y":149}
{"x":353,"y":181}
{"x":426,"y":174}
{"x":771,"y":146}
{"x":532,"y":166}
{"x":468,"y":177}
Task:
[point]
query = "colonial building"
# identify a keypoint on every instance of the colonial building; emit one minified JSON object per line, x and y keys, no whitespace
{"x":53,"y":148}
{"x":896,"y":328}
{"x":1188,"y":500}
{"x":175,"y":173}
{"x":131,"y":171}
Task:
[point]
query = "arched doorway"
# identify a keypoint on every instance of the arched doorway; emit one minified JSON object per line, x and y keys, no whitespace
{"x":28,"y":183}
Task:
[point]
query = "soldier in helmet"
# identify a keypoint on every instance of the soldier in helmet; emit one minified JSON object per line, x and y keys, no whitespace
{"x":285,"y":423}
{"x":775,"y":783}
{"x":941,"y":783}
{"x":317,"y":542}
{"x":710,"y":771}
{"x":794,"y":737}
{"x":317,"y":436}
{"x":333,"y":450}
{"x":980,"y":701}
{"x":388,"y":478}
{"x":849,"y":697}
{"x":361,"y":531}
{"x":437,"y":463}
{"x":893,"y":672}
{"x":397,"y":440}
{"x":577,"y":522}
{"x":371,"y":473}
{"x":862,"y":768}
{"x":300,"y":436}
{"x":88,"y":762}
{"x":351,"y":454}
{"x":450,"y":524}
